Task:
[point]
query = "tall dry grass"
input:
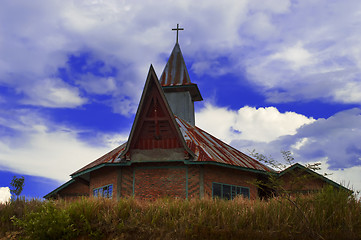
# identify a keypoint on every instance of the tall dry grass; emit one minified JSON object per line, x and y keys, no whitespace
{"x":330,"y":214}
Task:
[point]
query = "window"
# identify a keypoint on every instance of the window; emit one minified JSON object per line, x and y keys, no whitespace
{"x":227,"y":191}
{"x":106,"y":191}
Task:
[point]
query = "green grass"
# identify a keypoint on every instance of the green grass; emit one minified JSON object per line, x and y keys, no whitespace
{"x":329,"y":214}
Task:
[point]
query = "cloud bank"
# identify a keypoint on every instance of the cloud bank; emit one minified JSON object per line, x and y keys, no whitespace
{"x":293,"y":51}
{"x":32,"y":145}
{"x":332,"y":141}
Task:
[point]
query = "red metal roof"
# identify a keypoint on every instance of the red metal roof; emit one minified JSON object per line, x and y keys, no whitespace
{"x":208,"y":148}
{"x":175,"y":72}
{"x":175,"y":76}
{"x":107,"y":158}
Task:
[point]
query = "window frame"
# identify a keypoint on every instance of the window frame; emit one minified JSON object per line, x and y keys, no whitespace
{"x":233,"y":189}
{"x":99,"y":192}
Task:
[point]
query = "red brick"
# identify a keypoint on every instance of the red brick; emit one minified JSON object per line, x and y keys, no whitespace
{"x":74,"y":190}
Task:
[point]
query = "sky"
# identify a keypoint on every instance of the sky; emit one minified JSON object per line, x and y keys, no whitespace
{"x":274,"y":75}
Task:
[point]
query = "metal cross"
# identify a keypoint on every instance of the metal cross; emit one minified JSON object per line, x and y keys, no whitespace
{"x":177,"y":29}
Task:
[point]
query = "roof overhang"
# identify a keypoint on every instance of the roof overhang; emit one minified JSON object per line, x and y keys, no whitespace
{"x":191,"y":88}
{"x":47,"y":196}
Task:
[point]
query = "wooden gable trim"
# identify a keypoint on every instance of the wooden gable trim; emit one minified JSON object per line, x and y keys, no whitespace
{"x":152,"y":84}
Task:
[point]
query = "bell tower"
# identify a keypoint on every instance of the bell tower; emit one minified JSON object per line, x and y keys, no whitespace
{"x":180,"y":92}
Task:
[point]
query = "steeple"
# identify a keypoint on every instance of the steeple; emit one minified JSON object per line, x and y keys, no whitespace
{"x":180,"y":92}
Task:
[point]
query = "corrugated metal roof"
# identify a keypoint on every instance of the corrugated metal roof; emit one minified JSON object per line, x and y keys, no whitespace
{"x":175,"y":76}
{"x":208,"y":148}
{"x":107,"y":158}
{"x":175,"y":72}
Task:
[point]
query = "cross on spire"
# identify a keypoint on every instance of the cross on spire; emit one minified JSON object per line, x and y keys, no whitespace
{"x":177,"y":29}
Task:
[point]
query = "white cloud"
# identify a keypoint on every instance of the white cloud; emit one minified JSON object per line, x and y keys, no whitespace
{"x":349,"y":93}
{"x":53,"y":93}
{"x":296,"y":55}
{"x":98,"y":85}
{"x":314,"y":56}
{"x":272,"y":6}
{"x":279,"y":44}
{"x":40,"y":42}
{"x":259,"y":25}
{"x":44,"y":149}
{"x":267,"y":124}
{"x":332,"y":141}
{"x":300,"y":143}
{"x":335,"y":138}
{"x":222,"y":120}
{"x":5,"y":195}
{"x":248,"y":123}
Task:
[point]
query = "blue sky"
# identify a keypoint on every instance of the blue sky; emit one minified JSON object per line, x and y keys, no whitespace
{"x":275,"y":75}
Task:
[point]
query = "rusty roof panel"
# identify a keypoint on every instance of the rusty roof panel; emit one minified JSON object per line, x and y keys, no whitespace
{"x":175,"y":72}
{"x":208,"y":148}
{"x":107,"y":158}
{"x":175,"y":77}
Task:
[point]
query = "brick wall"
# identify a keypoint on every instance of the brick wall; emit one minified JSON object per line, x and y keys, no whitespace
{"x":194,"y":181}
{"x":154,"y":180}
{"x":161,"y":181}
{"x":126,"y":189}
{"x":104,"y":176}
{"x":228,"y":176}
{"x":300,"y":180}
{"x":74,"y":190}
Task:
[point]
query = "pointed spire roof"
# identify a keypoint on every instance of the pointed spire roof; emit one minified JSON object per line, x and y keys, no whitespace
{"x":175,"y":76}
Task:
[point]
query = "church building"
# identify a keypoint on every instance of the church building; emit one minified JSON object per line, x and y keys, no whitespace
{"x":167,"y":155}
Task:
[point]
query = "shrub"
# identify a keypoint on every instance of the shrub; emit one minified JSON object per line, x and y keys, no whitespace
{"x":329,"y":214}
{"x":49,"y":222}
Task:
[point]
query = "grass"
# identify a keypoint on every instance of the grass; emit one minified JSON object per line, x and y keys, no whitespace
{"x":329,"y":214}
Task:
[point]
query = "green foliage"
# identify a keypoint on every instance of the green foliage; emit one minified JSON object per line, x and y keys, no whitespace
{"x":18,"y":185}
{"x":49,"y":222}
{"x":331,"y":213}
{"x":294,"y":184}
{"x":18,"y":208}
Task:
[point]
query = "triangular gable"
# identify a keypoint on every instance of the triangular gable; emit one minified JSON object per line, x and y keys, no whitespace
{"x":295,"y":166}
{"x":154,"y":126}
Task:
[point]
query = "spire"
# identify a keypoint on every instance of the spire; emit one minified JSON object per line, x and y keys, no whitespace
{"x":175,"y":76}
{"x":180,"y":92}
